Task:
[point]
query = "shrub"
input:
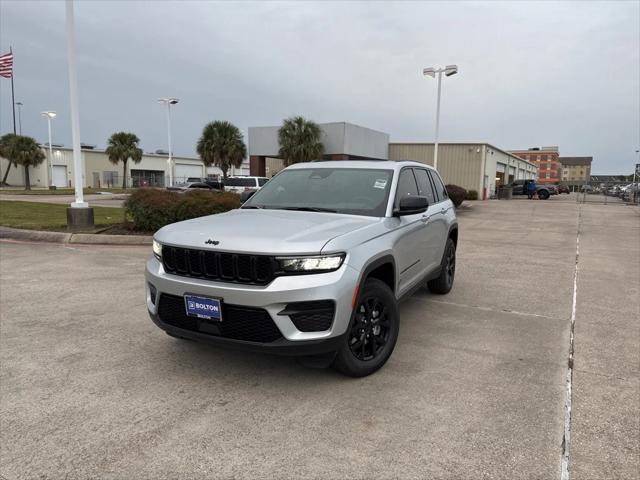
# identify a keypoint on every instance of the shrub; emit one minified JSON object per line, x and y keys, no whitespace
{"x":456,"y":194}
{"x":199,"y":204}
{"x":471,"y":195}
{"x":152,"y":209}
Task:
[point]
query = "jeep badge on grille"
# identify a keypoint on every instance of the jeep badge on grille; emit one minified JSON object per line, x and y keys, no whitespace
{"x":212,"y":242}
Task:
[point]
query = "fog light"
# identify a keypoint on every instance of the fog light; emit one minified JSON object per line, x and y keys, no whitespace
{"x":152,"y":293}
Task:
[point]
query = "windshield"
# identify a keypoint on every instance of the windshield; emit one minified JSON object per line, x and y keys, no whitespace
{"x":344,"y":190}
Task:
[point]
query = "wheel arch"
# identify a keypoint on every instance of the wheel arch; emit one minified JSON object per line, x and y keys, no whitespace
{"x":384,"y":269}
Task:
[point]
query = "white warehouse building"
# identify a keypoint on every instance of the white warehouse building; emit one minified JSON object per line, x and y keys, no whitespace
{"x":99,"y":172}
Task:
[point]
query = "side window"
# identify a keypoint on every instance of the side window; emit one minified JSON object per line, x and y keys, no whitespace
{"x":424,"y":185}
{"x":406,"y":185}
{"x":441,"y":192}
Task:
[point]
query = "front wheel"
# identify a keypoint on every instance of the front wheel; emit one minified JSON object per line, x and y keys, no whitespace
{"x":372,"y":332}
{"x":543,"y":195}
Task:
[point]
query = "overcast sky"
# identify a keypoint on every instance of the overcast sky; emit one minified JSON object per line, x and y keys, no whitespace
{"x":531,"y":74}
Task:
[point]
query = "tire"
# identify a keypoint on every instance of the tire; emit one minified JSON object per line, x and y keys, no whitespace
{"x":543,"y":195}
{"x":444,"y":283}
{"x":374,"y":320}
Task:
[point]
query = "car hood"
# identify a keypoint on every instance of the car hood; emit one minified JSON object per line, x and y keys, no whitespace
{"x":275,"y":232}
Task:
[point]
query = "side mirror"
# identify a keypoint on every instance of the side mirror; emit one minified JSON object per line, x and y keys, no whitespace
{"x":411,"y":204}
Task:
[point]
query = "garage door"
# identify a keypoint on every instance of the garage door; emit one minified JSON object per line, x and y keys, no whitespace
{"x":59,"y":175}
{"x":184,"y":171}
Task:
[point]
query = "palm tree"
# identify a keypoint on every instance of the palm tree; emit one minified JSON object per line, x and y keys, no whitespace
{"x":299,"y":141}
{"x":6,"y":151}
{"x":121,"y":147}
{"x":25,"y":151}
{"x":221,"y":144}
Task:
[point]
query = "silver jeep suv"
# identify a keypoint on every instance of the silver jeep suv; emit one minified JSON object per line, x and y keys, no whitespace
{"x":313,"y":265}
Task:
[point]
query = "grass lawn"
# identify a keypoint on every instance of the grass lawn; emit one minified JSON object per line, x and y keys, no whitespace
{"x":62,"y":191}
{"x":49,"y":216}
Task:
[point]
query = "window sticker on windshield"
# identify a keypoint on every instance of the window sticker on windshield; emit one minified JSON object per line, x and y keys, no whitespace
{"x":380,"y":184}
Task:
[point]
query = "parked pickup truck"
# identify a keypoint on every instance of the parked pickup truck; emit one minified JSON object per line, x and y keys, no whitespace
{"x":520,"y":188}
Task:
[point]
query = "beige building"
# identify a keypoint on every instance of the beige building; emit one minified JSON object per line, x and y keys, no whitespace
{"x":99,"y":172}
{"x":575,"y":171}
{"x":473,"y":166}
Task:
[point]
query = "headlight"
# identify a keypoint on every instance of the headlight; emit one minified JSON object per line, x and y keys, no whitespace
{"x":157,"y":250}
{"x":317,"y":264}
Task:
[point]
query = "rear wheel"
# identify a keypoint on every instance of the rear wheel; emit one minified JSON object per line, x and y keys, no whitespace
{"x":543,"y":195}
{"x":444,"y":282}
{"x":372,"y":333}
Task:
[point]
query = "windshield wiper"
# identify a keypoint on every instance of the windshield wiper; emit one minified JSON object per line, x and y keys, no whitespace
{"x":308,"y":209}
{"x":251,"y":206}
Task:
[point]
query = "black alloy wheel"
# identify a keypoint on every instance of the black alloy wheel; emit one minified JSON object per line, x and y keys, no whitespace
{"x":370,"y":330}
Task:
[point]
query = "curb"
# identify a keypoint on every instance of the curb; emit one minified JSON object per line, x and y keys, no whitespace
{"x":78,"y":238}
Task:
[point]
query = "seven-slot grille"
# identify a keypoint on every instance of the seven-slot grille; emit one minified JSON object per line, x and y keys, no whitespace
{"x":219,"y":266}
{"x":239,"y":323}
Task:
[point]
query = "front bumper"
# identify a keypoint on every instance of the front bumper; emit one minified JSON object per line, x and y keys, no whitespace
{"x":338,"y":286}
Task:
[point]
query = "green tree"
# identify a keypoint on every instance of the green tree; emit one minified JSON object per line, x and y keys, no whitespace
{"x":25,"y":151}
{"x":299,"y":141}
{"x":6,"y":151}
{"x":221,"y":144}
{"x":121,"y":147}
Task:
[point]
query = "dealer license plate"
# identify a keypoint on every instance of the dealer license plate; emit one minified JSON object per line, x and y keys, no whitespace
{"x":203,"y":307}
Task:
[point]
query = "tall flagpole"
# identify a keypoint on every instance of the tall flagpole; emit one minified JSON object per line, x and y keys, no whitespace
{"x":79,"y":215}
{"x":13,"y":98}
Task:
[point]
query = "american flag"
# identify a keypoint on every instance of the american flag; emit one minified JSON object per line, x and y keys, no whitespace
{"x":6,"y":65}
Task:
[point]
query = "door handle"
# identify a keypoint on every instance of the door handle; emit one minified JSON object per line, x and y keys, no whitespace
{"x":443,"y":210}
{"x":424,"y":219}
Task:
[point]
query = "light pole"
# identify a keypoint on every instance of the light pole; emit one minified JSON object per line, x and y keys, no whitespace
{"x":50,"y":116}
{"x":19,"y":104}
{"x":431,"y":72}
{"x":169,"y":102}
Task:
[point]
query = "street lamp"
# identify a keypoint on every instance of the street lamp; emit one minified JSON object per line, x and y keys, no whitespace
{"x":169,"y":102}
{"x":50,"y":116}
{"x":431,"y":72}
{"x":19,"y":104}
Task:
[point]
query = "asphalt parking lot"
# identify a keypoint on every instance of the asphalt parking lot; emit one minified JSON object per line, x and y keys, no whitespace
{"x":476,"y":387}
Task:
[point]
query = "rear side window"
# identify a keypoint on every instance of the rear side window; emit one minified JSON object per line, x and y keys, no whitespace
{"x":424,"y":185}
{"x":262,"y":181}
{"x":406,"y":185}
{"x":441,"y":192}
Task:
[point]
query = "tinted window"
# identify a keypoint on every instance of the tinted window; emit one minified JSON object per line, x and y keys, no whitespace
{"x":441,"y":192}
{"x":354,"y":191}
{"x":240,"y":182}
{"x":262,"y":181}
{"x":406,"y":185}
{"x":424,"y":185}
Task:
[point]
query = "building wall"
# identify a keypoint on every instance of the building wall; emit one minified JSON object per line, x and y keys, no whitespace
{"x":546,"y":160}
{"x":471,"y":166}
{"x":576,"y":174}
{"x":99,"y":172}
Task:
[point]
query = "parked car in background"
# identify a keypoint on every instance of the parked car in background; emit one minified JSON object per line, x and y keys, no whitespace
{"x":313,"y":265}
{"x":553,"y":189}
{"x":212,"y":182}
{"x":241,"y":184}
{"x":563,"y":189}
{"x":191,"y":186}
{"x":520,"y":188}
{"x":586,"y":189}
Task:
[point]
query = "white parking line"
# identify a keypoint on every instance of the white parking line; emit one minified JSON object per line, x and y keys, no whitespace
{"x":566,"y":441}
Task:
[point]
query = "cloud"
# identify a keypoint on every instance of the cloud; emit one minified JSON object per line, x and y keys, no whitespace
{"x":531,"y":74}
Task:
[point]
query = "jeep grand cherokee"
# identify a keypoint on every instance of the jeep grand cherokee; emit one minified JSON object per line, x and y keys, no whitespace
{"x":313,"y":265}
